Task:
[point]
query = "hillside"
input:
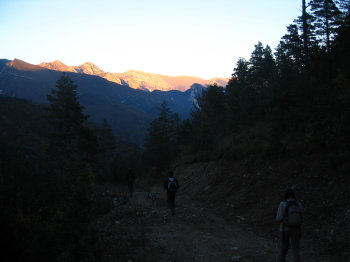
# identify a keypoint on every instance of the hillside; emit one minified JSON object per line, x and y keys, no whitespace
{"x":129,"y":111}
{"x":242,"y":177}
{"x":27,"y":138}
{"x":136,"y":79}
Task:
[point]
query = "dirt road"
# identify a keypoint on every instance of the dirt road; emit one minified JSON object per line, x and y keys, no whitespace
{"x":195,"y":234}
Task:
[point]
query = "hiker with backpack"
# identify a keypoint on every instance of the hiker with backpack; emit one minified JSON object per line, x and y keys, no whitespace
{"x":171,"y":185}
{"x":289,"y":214}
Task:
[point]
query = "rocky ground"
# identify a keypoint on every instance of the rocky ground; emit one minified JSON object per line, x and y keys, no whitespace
{"x":142,"y":229}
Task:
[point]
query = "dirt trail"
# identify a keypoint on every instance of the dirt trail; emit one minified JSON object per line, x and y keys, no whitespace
{"x":196,"y":234}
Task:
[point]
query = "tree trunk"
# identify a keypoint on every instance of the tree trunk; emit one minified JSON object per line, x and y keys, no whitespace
{"x":305,"y":32}
{"x":327,"y":26}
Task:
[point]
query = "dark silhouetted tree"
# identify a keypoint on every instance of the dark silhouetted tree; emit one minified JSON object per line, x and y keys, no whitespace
{"x":71,"y":140}
{"x":240,"y":95}
{"x":186,"y":133}
{"x":289,"y":53}
{"x":241,"y":71}
{"x":73,"y":148}
{"x":262,"y":67}
{"x":161,"y":143}
{"x":327,"y":19}
{"x":344,"y":7}
{"x":107,"y":150}
{"x":305,"y":26}
{"x":209,"y":116}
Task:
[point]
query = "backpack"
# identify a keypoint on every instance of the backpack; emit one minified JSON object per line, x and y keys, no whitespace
{"x":172,"y":187}
{"x":293,"y":215}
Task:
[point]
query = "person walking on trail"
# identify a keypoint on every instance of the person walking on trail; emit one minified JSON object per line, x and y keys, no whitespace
{"x":171,"y":185}
{"x":289,"y":214}
{"x":130,"y":180}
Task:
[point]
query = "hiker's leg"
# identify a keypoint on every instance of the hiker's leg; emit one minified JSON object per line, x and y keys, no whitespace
{"x":168,"y":195}
{"x":295,"y":240}
{"x":284,"y":245}
{"x":173,"y":199}
{"x":174,"y":194}
{"x":172,"y":202}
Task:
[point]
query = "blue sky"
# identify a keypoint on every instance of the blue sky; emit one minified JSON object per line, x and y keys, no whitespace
{"x":178,"y":37}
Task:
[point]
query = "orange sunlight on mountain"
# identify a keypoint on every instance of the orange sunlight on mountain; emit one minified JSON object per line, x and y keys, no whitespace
{"x":136,"y":79}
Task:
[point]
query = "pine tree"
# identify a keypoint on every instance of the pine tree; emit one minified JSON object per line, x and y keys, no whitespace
{"x":241,"y":71}
{"x":72,"y":144}
{"x":66,"y":115}
{"x":73,"y":149}
{"x":269,"y":67}
{"x":239,"y":96}
{"x":327,"y":20}
{"x":310,"y":39}
{"x":107,"y":149}
{"x":186,"y":133}
{"x":161,"y":143}
{"x":344,"y":7}
{"x":290,"y":53}
{"x":256,"y":62}
{"x":262,"y":67}
{"x":209,"y":116}
{"x":305,"y":26}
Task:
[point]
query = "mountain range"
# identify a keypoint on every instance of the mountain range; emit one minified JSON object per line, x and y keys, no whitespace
{"x":128,"y":111}
{"x":136,"y":79}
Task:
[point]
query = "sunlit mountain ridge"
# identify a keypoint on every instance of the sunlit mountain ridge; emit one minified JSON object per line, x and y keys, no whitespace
{"x":136,"y":79}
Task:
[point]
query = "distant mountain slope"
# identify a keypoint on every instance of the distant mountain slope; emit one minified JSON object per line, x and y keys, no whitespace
{"x":33,"y":126}
{"x":58,"y":66}
{"x":136,"y":79}
{"x":128,"y":111}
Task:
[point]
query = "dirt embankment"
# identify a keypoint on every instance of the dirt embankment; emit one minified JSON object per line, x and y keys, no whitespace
{"x":252,"y":189}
